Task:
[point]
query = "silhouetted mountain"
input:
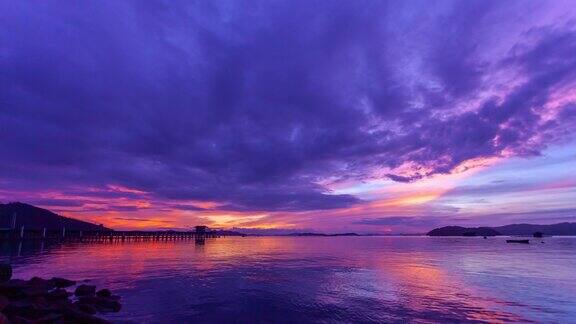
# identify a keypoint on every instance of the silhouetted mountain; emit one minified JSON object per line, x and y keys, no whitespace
{"x":463,"y":231}
{"x":514,"y":229}
{"x":529,"y":229}
{"x":38,"y":218}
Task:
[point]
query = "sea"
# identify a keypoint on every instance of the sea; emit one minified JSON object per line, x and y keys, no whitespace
{"x":365,"y":279}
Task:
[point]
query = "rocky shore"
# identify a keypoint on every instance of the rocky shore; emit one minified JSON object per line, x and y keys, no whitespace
{"x":55,"y":300}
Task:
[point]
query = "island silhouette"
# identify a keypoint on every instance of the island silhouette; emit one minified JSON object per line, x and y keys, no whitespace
{"x":560,"y":229}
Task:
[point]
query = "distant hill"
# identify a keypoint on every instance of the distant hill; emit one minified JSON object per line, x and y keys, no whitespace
{"x":38,"y":218}
{"x":463,"y":231}
{"x":513,"y":229}
{"x":529,"y":229}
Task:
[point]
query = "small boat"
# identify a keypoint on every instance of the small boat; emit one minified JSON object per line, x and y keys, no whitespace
{"x":518,"y":241}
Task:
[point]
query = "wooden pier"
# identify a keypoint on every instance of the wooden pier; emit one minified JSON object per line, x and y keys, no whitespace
{"x":102,"y":236}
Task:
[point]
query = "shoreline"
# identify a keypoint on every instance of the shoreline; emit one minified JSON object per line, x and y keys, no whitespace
{"x":49,"y":300}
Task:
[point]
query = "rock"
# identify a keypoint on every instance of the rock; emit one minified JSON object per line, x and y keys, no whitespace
{"x":85,"y":290}
{"x":39,"y":282}
{"x":62,"y":283}
{"x":86,"y":308}
{"x":34,"y":291}
{"x":60,"y":305}
{"x":24,"y":309}
{"x":3,"y":303}
{"x":40,"y":301}
{"x":20,"y":320}
{"x":105,"y":293}
{"x":58,"y":294}
{"x":15,"y":284}
{"x":5,"y":272}
{"x":108,"y":305}
{"x":90,"y":300}
{"x":4,"y":319}
{"x":46,"y":301}
{"x":13,"y":288}
{"x":51,"y":318}
{"x":114,"y":297}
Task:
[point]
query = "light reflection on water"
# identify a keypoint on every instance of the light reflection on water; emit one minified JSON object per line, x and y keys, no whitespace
{"x":321,"y":279}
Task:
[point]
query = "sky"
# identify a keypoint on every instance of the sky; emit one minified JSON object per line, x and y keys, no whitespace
{"x":274,"y":116}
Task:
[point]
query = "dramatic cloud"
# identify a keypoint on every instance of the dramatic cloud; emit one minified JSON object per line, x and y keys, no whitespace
{"x":265,"y":105}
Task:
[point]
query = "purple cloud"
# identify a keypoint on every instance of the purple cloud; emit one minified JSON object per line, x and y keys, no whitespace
{"x":253,"y":105}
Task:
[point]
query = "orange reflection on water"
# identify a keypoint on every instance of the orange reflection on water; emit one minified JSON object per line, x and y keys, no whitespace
{"x":425,"y":286}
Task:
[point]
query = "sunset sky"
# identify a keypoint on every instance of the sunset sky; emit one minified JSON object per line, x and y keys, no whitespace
{"x":328,"y":116}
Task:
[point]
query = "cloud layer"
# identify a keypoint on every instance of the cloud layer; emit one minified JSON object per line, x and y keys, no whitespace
{"x":263,"y":106}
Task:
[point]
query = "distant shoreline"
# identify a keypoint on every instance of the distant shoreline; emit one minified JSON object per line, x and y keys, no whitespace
{"x":560,"y":229}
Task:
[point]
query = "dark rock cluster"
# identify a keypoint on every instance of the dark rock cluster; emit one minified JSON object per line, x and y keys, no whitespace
{"x":49,"y":301}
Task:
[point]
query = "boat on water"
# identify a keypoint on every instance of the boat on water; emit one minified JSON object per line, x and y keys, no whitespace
{"x":518,"y":241}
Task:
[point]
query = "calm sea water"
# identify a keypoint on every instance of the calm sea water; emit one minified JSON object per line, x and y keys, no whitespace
{"x":321,"y":279}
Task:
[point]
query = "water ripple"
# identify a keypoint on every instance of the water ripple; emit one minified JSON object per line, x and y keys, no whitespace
{"x":324,"y":280}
